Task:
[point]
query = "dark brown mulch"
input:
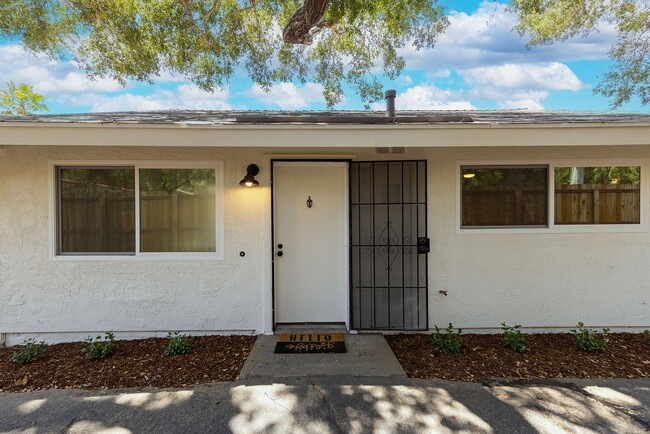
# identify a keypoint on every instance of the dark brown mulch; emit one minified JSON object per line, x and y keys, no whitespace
{"x":135,"y":363}
{"x":549,"y":356}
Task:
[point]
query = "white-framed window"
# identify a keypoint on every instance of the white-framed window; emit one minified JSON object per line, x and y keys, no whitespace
{"x":552,"y":196}
{"x":504,"y":196}
{"x":153,"y":210}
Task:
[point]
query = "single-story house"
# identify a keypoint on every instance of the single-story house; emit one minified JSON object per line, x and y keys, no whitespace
{"x":142,"y":223}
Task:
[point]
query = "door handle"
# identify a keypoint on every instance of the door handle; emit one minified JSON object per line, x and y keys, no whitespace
{"x":280,"y":253}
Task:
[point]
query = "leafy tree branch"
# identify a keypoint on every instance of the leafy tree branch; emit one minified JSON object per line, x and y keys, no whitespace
{"x":550,"y":21}
{"x":207,"y":42}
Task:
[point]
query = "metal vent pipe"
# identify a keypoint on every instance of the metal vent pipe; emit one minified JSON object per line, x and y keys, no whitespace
{"x":389,"y":96}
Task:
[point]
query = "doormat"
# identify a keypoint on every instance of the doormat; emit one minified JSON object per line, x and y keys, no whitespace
{"x":310,"y":343}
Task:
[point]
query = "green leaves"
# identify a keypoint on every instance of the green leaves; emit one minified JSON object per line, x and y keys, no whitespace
{"x":448,"y":343}
{"x":550,"y":21}
{"x":99,"y":348}
{"x":20,"y":100}
{"x":30,"y":352}
{"x":208,"y":41}
{"x":177,"y":344}
{"x":589,"y":340}
{"x":514,"y":338}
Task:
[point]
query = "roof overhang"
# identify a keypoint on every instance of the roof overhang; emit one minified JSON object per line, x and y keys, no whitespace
{"x":183,"y":134}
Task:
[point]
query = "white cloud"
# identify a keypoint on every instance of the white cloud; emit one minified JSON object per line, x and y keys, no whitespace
{"x":288,"y":96}
{"x":485,"y":37}
{"x":522,"y":86}
{"x":185,"y":96}
{"x":552,"y":76}
{"x":428,"y":97}
{"x":47,"y":76}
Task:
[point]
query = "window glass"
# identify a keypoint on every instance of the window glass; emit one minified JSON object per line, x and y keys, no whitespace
{"x":177,"y":210}
{"x":504,"y":196}
{"x":96,"y":210}
{"x":597,"y":195}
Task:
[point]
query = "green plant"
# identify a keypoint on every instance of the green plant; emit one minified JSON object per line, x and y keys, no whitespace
{"x":20,"y":100}
{"x":646,"y":333}
{"x":31,"y":351}
{"x":99,"y":348}
{"x":514,"y":338}
{"x":177,"y":344}
{"x":589,"y":340}
{"x":449,"y":342}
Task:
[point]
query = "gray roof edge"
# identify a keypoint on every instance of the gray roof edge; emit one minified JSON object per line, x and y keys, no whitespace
{"x":207,"y":117}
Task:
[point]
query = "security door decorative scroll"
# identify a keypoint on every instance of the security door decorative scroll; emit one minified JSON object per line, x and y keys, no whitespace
{"x":389,"y":245}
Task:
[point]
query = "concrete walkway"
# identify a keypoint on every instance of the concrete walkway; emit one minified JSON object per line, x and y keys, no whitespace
{"x":337,"y":393}
{"x":367,"y":355}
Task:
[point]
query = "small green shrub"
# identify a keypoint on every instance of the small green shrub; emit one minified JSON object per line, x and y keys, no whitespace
{"x":449,"y":342}
{"x":646,"y":333}
{"x":31,"y":351}
{"x":99,"y":348}
{"x":514,"y":338}
{"x":177,"y":344}
{"x":589,"y":340}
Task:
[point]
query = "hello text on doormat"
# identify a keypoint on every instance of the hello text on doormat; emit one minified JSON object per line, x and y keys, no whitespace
{"x":310,"y":343}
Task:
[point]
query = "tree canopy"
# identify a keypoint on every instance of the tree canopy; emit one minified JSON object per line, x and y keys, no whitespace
{"x":205,"y":41}
{"x":20,"y":100}
{"x":550,"y":21}
{"x":331,"y":42}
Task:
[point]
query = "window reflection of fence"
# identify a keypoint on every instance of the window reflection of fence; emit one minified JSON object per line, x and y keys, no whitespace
{"x":105,"y":222}
{"x":177,"y":223}
{"x":574,"y":204}
{"x":597,"y":204}
{"x":504,"y":205}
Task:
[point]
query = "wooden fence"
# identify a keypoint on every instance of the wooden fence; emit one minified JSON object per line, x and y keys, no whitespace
{"x":105,"y":222}
{"x":574,"y":204}
{"x":598,"y":204}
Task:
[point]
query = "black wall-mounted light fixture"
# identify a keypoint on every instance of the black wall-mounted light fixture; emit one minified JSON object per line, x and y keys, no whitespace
{"x":249,"y":180}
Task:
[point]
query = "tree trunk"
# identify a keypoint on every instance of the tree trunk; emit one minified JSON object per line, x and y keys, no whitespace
{"x":297,"y":30}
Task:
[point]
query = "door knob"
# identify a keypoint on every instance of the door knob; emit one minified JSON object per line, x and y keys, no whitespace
{"x":280,"y":253}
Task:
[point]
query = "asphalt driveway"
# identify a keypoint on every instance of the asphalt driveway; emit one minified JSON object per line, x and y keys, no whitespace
{"x":336,"y":404}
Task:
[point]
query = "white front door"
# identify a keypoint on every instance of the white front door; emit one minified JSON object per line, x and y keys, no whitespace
{"x":310,"y":235}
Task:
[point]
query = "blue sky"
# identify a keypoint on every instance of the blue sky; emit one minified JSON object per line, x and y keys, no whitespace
{"x":478,"y":63}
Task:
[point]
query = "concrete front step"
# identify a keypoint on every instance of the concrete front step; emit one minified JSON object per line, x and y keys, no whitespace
{"x":367,"y":355}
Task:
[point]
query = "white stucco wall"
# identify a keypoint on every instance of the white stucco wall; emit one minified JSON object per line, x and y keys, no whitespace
{"x":38,"y":294}
{"x":545,"y":280}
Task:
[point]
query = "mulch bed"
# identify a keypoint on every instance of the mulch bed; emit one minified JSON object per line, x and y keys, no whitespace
{"x":135,"y":363}
{"x":549,"y":356}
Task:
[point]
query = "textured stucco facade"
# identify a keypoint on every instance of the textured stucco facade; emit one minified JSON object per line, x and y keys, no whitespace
{"x":538,"y":278}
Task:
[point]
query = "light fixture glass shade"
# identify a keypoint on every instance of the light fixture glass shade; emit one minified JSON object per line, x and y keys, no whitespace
{"x":249,"y":180}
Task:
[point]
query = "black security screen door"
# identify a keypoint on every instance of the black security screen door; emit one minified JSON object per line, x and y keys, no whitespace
{"x":388,"y":225}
